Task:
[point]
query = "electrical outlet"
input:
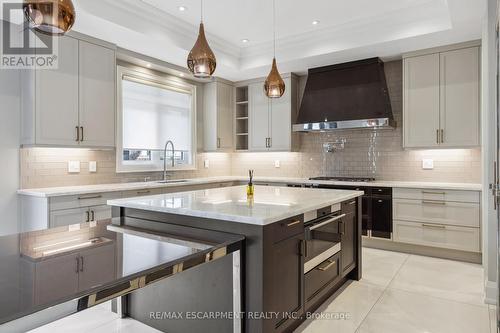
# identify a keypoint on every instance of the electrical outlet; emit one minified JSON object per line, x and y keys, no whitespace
{"x":73,"y":166}
{"x":277,"y":164}
{"x":427,"y":164}
{"x":206,"y":163}
{"x":92,"y":166}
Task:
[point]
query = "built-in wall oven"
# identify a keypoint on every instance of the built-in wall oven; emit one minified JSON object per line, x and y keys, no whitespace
{"x":322,"y":248}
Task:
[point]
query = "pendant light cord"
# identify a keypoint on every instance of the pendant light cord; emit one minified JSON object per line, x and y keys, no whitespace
{"x":201,"y":14}
{"x":274,"y":28}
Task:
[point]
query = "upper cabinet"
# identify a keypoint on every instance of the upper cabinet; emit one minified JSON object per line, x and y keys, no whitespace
{"x":218,"y":99}
{"x":270,"y":120}
{"x":441,"y":99}
{"x":73,"y":105}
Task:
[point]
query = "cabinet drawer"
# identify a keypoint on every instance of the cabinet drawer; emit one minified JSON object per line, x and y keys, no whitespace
{"x":438,"y":235}
{"x":441,"y":212}
{"x":141,"y":193}
{"x":440,"y":195}
{"x":381,"y":190}
{"x":320,"y":276}
{"x":288,"y":228}
{"x":84,"y":200}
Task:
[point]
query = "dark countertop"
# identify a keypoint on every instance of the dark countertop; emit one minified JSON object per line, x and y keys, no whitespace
{"x":83,"y":262}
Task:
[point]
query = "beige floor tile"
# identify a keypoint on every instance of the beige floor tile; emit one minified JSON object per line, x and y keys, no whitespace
{"x":453,"y":280}
{"x":355,"y":302}
{"x":407,"y":312}
{"x":380,"y":267}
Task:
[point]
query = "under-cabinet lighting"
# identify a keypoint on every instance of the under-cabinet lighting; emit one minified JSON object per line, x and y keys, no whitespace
{"x":55,"y":244}
{"x":62,"y":249}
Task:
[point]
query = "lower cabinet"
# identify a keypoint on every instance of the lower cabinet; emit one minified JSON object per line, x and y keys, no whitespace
{"x":288,"y":270}
{"x":65,"y":275}
{"x":65,"y":217}
{"x":320,"y":277}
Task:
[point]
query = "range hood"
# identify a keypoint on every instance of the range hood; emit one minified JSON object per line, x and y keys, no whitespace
{"x":343,"y":96}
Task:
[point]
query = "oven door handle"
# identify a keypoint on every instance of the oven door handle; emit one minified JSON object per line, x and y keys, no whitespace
{"x":319,"y":225}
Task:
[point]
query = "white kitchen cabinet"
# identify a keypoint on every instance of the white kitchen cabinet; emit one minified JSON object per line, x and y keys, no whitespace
{"x":459,"y":115}
{"x":65,"y":217}
{"x":55,"y":108}
{"x":99,"y":213}
{"x":97,"y":95}
{"x":270,"y":120}
{"x":441,"y":98}
{"x":73,"y":105}
{"x":218,"y":101}
{"x":421,"y":101}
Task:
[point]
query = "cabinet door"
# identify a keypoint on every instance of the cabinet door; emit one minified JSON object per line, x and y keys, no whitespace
{"x":97,"y":95}
{"x":258,"y":113}
{"x":381,"y":217}
{"x":99,"y":213}
{"x":421,"y":101}
{"x":56,"y":278}
{"x":460,"y":97}
{"x":225,"y":104}
{"x":97,"y":266}
{"x":56,"y":98}
{"x":64,"y":217}
{"x":348,"y":242}
{"x":288,"y":270}
{"x":281,"y":120}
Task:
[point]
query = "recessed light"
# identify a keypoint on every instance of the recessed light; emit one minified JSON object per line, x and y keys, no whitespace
{"x":315,"y":22}
{"x":182,"y":8}
{"x":244,"y":41}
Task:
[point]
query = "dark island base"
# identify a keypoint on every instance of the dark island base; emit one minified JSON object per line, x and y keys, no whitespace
{"x":272,"y":276}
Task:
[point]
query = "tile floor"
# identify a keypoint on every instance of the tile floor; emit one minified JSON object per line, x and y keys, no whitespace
{"x":398,"y":293}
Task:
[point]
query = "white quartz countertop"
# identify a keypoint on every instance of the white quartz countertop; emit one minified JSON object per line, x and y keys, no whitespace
{"x":89,"y":189}
{"x":269,"y":204}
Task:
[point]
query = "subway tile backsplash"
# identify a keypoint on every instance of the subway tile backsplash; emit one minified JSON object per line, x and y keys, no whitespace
{"x":373,"y":153}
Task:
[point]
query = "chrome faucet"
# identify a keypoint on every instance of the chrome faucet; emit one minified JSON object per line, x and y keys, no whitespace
{"x":165,"y":159}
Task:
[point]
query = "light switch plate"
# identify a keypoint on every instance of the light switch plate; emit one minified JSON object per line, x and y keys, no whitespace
{"x":427,"y":164}
{"x":73,"y":166}
{"x":206,"y":163}
{"x":277,"y":164}
{"x":92,"y":166}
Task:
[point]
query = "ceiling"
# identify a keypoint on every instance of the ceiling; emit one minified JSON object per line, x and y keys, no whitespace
{"x":347,"y":29}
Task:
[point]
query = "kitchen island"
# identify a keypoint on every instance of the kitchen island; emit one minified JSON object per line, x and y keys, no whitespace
{"x":301,"y":245}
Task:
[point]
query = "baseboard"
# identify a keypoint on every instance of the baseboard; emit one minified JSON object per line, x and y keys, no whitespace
{"x":491,"y":292}
{"x":389,"y":245}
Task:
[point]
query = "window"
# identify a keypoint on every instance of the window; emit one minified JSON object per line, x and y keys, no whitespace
{"x":151,"y":111}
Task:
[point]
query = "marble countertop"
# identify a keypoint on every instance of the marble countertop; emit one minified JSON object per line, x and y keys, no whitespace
{"x":101,"y":188}
{"x":269,"y":204}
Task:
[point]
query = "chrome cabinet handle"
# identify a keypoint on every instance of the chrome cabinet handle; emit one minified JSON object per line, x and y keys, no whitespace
{"x":77,"y":134}
{"x":93,"y":215}
{"x":428,"y":202}
{"x":143,"y":192}
{"x":90,"y":197}
{"x":291,"y":224}
{"x":442,"y":135}
{"x":437,"y":136}
{"x":436,"y":193}
{"x":81,"y":128}
{"x":87,"y":214}
{"x":218,"y":142}
{"x":270,"y":143}
{"x":432,"y":226}
{"x":267,"y":142}
{"x":77,"y":264}
{"x":319,"y":225}
{"x":327,"y":267}
{"x":81,"y":264}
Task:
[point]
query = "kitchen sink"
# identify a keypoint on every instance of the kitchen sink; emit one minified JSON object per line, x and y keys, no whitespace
{"x":172,"y":181}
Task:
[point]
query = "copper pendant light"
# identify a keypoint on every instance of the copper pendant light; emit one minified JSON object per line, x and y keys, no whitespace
{"x":201,"y":60}
{"x":52,"y":17}
{"x":274,"y":85}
